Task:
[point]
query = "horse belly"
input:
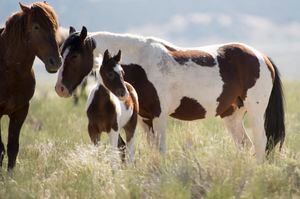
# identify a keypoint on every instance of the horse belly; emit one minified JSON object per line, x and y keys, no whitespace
{"x":194,"y":95}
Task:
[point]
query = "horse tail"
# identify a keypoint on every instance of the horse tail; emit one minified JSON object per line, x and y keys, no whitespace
{"x":274,"y":115}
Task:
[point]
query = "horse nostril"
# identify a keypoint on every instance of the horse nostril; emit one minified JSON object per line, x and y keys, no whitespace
{"x":62,"y":89}
{"x":51,"y":61}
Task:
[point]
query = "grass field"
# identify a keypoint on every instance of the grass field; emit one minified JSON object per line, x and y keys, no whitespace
{"x":56,"y":159}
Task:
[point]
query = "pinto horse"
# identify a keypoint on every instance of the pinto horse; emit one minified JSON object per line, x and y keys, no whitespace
{"x":227,"y":80}
{"x":28,"y":33}
{"x":108,"y":113}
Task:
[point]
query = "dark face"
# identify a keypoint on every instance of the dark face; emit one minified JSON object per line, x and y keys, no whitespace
{"x":42,"y":28}
{"x":112,"y":75}
{"x":77,"y":53}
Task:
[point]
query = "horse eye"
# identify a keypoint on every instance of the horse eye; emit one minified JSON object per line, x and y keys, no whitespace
{"x":111,"y":75}
{"x":36,"y":27}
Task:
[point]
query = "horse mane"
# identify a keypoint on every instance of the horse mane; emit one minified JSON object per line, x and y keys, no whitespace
{"x":15,"y":29}
{"x":166,"y":44}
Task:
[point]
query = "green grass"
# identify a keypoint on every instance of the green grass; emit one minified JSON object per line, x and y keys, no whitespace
{"x":56,"y":159}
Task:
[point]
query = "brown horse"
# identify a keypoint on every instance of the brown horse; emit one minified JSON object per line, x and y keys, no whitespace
{"x":28,"y":33}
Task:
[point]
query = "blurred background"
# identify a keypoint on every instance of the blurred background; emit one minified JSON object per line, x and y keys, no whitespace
{"x":271,"y":26}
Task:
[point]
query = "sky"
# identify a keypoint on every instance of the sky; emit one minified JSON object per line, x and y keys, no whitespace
{"x":271,"y":26}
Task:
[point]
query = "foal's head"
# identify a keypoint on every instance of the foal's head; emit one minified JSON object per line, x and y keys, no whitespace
{"x":78,"y":60}
{"x":39,"y":29}
{"x":112,"y":74}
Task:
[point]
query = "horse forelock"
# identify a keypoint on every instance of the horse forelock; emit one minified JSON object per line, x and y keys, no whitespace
{"x":45,"y":14}
{"x":70,"y":42}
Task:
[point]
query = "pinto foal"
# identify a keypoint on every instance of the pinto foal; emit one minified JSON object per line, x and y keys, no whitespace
{"x":106,"y":112}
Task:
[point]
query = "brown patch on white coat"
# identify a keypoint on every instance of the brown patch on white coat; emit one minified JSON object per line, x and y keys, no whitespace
{"x":232,"y":59}
{"x":197,"y":56}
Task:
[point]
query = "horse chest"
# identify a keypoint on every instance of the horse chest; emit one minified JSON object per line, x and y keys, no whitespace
{"x":101,"y":110}
{"x":15,"y":90}
{"x":126,"y":113}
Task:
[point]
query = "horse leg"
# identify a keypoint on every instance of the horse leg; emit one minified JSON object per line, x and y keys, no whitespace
{"x":130,"y":143}
{"x":113,"y":140}
{"x":259,"y":135}
{"x":130,"y":130}
{"x":94,"y":133}
{"x":235,"y":126}
{"x":256,"y":106}
{"x":15,"y":124}
{"x":121,"y":147}
{"x":147,"y":129}
{"x":159,"y":127}
{"x":2,"y":149}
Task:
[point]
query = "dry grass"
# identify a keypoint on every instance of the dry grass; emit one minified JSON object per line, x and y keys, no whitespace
{"x":56,"y":160}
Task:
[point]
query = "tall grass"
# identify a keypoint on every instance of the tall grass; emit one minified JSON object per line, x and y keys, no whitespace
{"x":57,"y":160}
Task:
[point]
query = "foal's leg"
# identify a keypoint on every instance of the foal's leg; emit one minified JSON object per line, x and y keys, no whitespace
{"x":122,"y":147}
{"x":2,"y":149}
{"x":235,"y":126}
{"x":93,"y":133}
{"x":15,"y":124}
{"x":113,"y":138}
{"x":130,"y":130}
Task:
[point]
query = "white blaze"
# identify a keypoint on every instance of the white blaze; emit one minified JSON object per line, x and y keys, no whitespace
{"x":60,"y":72}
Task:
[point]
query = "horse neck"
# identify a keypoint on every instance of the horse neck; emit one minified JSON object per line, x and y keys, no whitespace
{"x":20,"y":57}
{"x":15,"y":52}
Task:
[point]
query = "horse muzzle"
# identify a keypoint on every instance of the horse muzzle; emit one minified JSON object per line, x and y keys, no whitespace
{"x":122,"y":94}
{"x":61,"y":90}
{"x":52,"y":65}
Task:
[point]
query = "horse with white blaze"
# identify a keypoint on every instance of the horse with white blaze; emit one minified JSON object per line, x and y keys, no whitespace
{"x":227,"y":80}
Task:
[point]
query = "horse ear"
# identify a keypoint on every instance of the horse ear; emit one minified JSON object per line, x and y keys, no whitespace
{"x":71,"y":30}
{"x":93,"y":43}
{"x":24,"y":8}
{"x":106,"y":56}
{"x":83,"y":34}
{"x":118,"y":56}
